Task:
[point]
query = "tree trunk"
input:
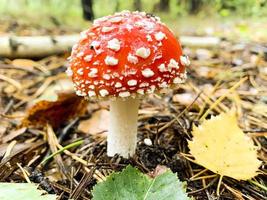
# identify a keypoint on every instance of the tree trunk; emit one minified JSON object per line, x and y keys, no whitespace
{"x":194,"y":6}
{"x":117,"y":7}
{"x":137,"y":5}
{"x":88,"y":13}
{"x":164,"y":5}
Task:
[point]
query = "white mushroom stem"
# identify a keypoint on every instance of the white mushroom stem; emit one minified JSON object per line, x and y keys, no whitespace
{"x":122,"y":132}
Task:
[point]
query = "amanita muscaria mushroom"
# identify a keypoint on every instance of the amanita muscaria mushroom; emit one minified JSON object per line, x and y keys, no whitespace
{"x":124,"y":57}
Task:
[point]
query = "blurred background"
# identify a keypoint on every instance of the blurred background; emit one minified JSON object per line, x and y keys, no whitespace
{"x":237,"y":19}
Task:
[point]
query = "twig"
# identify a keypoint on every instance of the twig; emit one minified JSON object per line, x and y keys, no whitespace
{"x":223,"y":96}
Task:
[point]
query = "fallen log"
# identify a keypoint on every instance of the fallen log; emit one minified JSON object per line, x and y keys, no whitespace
{"x":41,"y":46}
{"x":35,"y":46}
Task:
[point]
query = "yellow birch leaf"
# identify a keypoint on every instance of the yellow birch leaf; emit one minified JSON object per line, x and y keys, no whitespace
{"x":221,"y":146}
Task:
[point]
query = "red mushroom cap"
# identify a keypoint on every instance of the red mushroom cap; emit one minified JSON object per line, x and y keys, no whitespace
{"x":126,"y":54}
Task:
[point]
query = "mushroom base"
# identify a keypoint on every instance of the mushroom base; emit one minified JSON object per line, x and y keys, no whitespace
{"x":122,"y":133}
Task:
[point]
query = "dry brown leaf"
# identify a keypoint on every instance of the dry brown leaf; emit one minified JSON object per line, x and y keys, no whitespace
{"x":98,"y":123}
{"x":67,"y":106}
{"x":221,"y":146}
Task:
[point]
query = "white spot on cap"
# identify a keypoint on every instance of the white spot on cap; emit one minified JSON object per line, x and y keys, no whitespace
{"x":140,"y":91}
{"x":83,"y":35}
{"x":69,"y":72}
{"x":96,"y":62}
{"x":74,"y":47}
{"x":109,"y":60}
{"x":91,"y":93}
{"x":103,"y":92}
{"x":98,"y":51}
{"x":106,"y":76}
{"x":107,"y":29}
{"x":185,"y":60}
{"x":132,"y":59}
{"x":99,"y":20}
{"x":115,"y":19}
{"x":147,"y":73}
{"x":114,"y":44}
{"x":184,"y":75}
{"x":163,"y":85}
{"x":93,"y":72}
{"x":91,"y":87}
{"x":124,"y":94}
{"x":91,"y":34}
{"x":151,"y":89}
{"x":139,"y":23}
{"x":87,"y":58}
{"x":143,"y":52}
{"x":149,"y":25}
{"x":149,"y":38}
{"x":160,"y":36}
{"x":144,"y":84}
{"x":162,"y":67}
{"x":178,"y":80}
{"x":95,"y":44}
{"x":132,"y":82}
{"x":80,"y":71}
{"x":80,"y":54}
{"x":96,"y":82}
{"x":129,"y":27}
{"x":118,"y":85}
{"x":173,"y":64}
{"x":80,"y":93}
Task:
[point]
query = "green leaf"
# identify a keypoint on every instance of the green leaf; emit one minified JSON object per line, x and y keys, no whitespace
{"x":20,"y":191}
{"x":131,"y":184}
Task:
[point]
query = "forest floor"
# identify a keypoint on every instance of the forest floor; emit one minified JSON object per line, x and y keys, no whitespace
{"x":36,"y":119}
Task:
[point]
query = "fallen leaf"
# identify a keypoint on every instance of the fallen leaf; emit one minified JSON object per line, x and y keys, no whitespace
{"x":29,"y":191}
{"x":220,"y":145}
{"x":132,"y":184}
{"x":98,"y":123}
{"x":67,"y":106}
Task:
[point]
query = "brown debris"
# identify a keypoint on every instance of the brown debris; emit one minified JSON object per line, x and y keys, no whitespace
{"x":67,"y":106}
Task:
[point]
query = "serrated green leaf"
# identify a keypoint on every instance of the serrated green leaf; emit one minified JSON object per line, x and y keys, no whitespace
{"x":23,"y":191}
{"x":131,"y":184}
